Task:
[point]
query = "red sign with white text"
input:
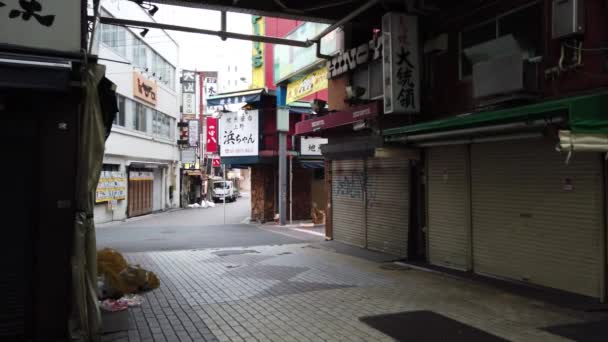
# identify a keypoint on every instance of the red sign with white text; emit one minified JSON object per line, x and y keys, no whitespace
{"x":216,"y":162}
{"x":212,"y":135}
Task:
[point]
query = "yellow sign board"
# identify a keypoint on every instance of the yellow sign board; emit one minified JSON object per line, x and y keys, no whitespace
{"x":257,"y":56}
{"x":112,"y":186}
{"x":309,"y":84}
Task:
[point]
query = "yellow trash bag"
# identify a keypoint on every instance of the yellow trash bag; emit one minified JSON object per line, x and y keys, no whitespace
{"x":120,"y":278}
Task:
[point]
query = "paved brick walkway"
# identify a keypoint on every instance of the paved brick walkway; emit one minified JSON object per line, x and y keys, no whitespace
{"x":302,"y":293}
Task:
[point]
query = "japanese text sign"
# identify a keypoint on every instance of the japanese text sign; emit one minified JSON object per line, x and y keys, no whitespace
{"x":144,"y":89}
{"x":212,"y":135}
{"x":311,"y":146}
{"x":309,"y":84}
{"x":239,"y":134}
{"x":39,"y":24}
{"x":193,"y":133}
{"x":400,"y":67}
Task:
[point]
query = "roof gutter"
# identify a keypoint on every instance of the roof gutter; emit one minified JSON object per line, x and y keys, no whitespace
{"x":486,"y":130}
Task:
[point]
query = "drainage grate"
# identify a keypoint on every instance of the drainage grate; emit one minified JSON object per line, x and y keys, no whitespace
{"x":416,"y":326}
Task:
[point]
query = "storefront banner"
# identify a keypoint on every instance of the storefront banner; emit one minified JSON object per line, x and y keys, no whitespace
{"x":193,"y":133}
{"x":308,"y":85}
{"x":239,"y":134}
{"x":311,"y":146}
{"x":211,"y":135}
{"x":112,"y":186}
{"x":337,"y":119}
{"x":144,"y":89}
{"x":49,"y":25}
{"x":217,"y":162}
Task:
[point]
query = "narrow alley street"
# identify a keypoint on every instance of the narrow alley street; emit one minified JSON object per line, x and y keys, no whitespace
{"x":192,"y":229}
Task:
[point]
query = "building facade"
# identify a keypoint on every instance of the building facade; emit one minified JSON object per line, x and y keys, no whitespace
{"x":141,"y":164}
{"x":481,"y":147}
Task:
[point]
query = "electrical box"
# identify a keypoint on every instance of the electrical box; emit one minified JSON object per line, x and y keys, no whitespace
{"x":568,"y":18}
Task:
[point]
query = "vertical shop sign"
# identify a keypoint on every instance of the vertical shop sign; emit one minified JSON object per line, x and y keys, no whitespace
{"x":188,"y":83}
{"x":401,"y":68}
{"x":211,"y":135}
{"x":193,"y":133}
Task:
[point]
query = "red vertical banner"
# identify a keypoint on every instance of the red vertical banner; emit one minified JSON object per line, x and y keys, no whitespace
{"x":201,"y":89}
{"x":212,"y":135}
{"x":217,"y":162}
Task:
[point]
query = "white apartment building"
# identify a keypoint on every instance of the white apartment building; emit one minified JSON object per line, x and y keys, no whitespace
{"x":141,"y":157}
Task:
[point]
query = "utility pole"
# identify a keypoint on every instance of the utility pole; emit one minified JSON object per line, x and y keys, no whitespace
{"x":282,"y":129}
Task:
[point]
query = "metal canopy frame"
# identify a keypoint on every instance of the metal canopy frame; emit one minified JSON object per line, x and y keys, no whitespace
{"x":223,"y":34}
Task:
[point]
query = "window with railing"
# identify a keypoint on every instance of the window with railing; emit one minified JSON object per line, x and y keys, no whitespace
{"x":140,"y":117}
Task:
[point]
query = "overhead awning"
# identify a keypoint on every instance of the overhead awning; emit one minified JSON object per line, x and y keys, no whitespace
{"x":312,"y":164}
{"x":300,"y":107}
{"x":583,"y":114}
{"x":236,"y":98}
{"x":337,"y":119}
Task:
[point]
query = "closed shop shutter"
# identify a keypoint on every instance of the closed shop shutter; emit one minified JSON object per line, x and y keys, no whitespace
{"x":535,"y":218}
{"x":140,"y":193}
{"x":388,"y":205}
{"x":348,"y":209}
{"x":448,"y":206}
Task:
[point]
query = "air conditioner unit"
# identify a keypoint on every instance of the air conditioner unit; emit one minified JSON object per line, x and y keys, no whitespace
{"x":502,"y":72}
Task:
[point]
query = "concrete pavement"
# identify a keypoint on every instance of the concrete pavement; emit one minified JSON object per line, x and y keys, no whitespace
{"x":303,"y":292}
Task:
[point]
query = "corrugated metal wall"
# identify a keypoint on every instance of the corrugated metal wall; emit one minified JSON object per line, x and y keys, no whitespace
{"x":448,"y":206}
{"x":388,"y":205}
{"x":534,"y":217}
{"x":348,"y":207}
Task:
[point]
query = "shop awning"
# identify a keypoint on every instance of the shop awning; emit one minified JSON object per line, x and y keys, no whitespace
{"x":236,"y":97}
{"x":337,"y":119}
{"x":584,"y":114}
{"x":312,"y":164}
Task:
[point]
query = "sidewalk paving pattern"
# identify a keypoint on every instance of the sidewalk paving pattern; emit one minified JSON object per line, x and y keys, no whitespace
{"x":298,"y":293}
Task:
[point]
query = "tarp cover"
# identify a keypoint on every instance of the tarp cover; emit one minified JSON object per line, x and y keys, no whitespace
{"x":85,"y":319}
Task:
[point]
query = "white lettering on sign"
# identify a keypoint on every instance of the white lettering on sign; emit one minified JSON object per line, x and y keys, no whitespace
{"x":318,"y":123}
{"x":361,"y":112}
{"x":354,"y":57}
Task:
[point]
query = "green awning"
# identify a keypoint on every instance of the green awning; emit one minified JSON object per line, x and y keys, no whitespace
{"x":585,"y":114}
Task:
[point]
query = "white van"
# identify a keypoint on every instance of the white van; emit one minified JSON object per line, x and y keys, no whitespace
{"x":223,"y":189}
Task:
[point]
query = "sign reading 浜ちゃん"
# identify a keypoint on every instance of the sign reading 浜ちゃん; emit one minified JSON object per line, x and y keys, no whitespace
{"x":42,"y":24}
{"x":239,"y":134}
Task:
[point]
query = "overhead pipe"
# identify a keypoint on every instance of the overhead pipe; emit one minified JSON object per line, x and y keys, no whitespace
{"x":232,"y":35}
{"x":504,"y":128}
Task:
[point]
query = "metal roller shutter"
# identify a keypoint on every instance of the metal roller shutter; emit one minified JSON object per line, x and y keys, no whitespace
{"x":348,"y":209}
{"x":448,"y":206}
{"x":388,"y":205}
{"x":535,"y":218}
